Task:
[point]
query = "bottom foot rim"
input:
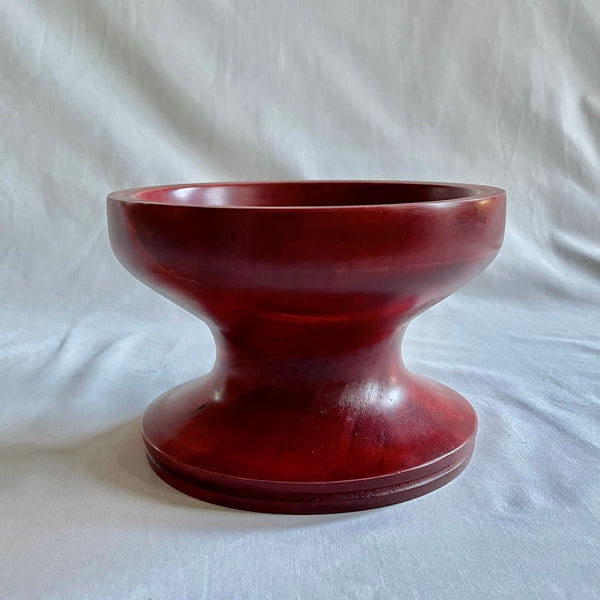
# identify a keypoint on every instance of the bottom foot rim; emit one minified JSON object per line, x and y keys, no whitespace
{"x":264,"y":496}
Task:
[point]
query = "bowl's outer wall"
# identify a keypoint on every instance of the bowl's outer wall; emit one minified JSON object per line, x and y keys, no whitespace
{"x":307,"y":261}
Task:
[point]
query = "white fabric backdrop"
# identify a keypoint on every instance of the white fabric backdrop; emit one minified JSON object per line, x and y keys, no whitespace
{"x":103,"y":95}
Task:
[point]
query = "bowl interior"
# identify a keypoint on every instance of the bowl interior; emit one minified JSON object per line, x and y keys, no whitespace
{"x":305,"y":194}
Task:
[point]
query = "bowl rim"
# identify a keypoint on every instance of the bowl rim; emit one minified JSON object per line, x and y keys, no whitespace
{"x":476,"y":193}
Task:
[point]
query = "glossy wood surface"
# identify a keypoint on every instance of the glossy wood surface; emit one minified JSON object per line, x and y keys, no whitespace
{"x":308,"y":288}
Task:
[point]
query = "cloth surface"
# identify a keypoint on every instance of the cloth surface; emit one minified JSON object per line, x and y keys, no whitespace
{"x":101,"y":95}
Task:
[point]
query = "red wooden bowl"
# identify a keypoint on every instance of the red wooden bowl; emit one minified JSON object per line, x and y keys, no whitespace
{"x":308,"y":288}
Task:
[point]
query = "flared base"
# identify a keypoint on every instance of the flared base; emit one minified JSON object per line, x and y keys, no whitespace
{"x":305,"y":454}
{"x":316,"y":498}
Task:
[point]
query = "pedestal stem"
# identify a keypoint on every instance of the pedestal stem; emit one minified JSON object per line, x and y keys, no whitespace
{"x":307,"y":360}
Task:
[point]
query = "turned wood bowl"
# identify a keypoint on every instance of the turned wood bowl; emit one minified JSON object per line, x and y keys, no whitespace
{"x":308,"y":288}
